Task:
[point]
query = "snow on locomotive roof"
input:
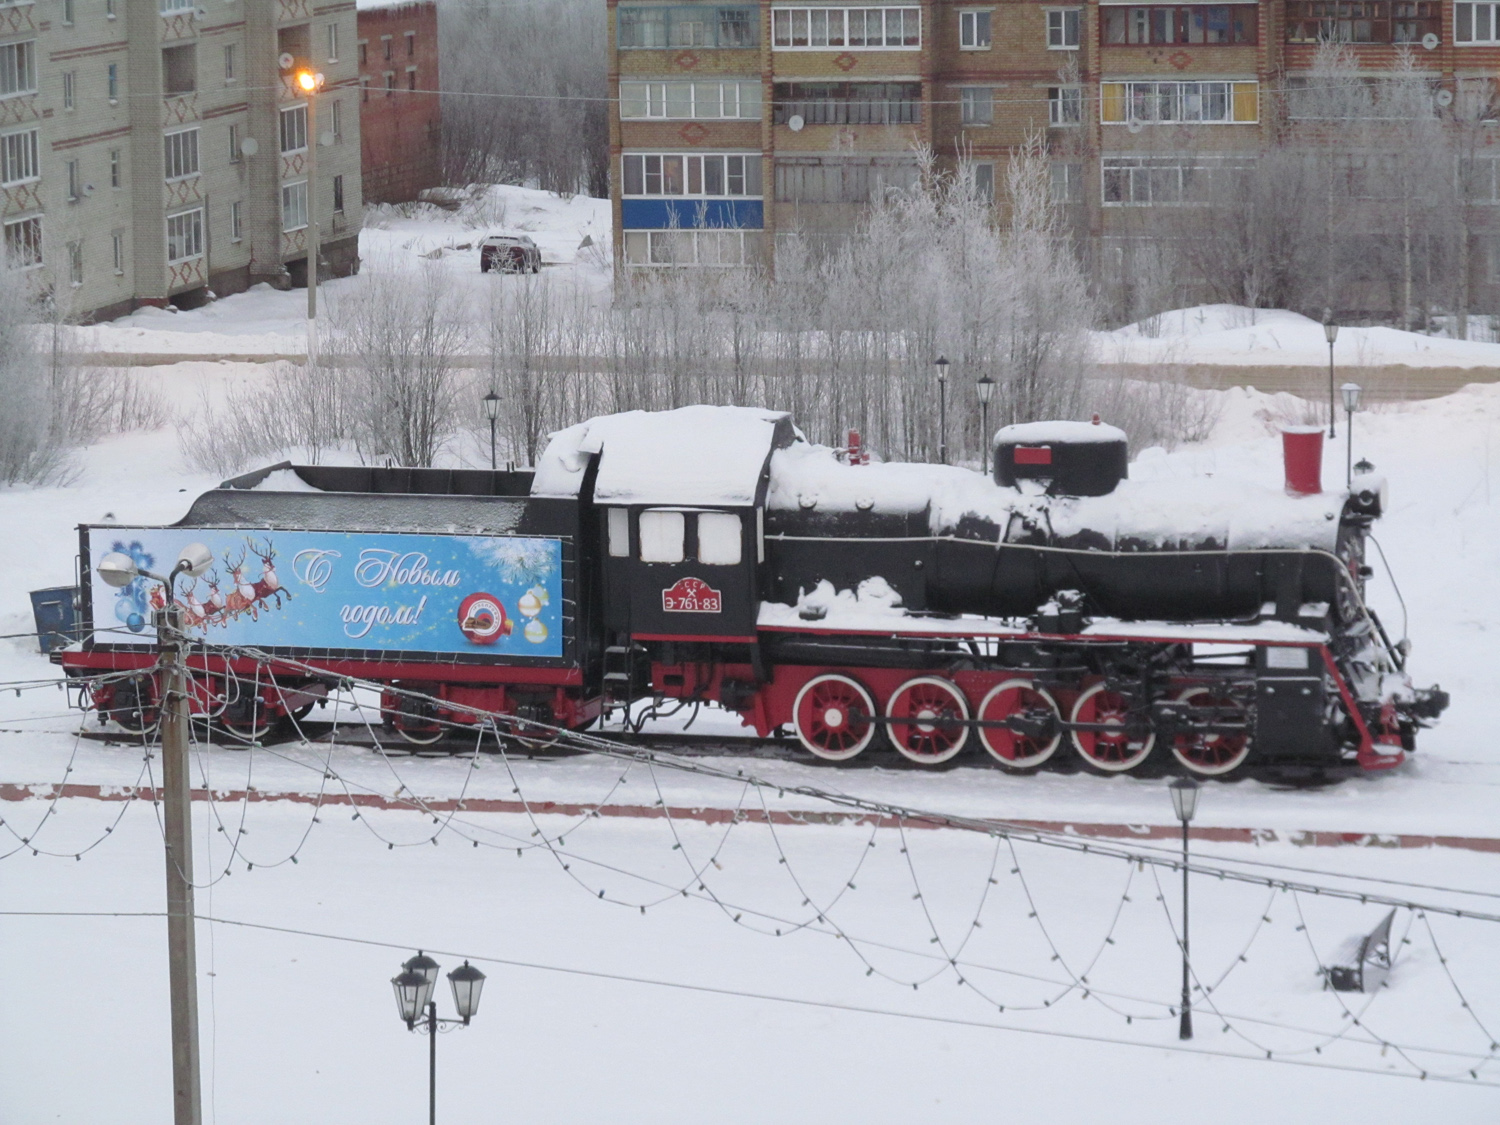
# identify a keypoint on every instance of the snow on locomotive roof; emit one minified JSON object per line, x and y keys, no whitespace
{"x":696,"y":455}
{"x":1043,"y":433}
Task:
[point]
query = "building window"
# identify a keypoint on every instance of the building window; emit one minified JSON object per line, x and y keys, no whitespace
{"x":294,"y":206}
{"x":236,"y":221}
{"x":70,"y":83}
{"x":114,"y":167}
{"x":984,"y":181}
{"x":75,"y":264}
{"x":411,"y":79}
{"x":18,"y":157}
{"x":1067,"y":183}
{"x":819,"y":29}
{"x":364,"y":51}
{"x":338,"y":195}
{"x":23,"y":243}
{"x":1476,"y":23}
{"x":1170,"y":103}
{"x":234,"y":144}
{"x":848,"y":103}
{"x":974,"y":31}
{"x":181,"y":151}
{"x":117,"y":241}
{"x":976,"y":105}
{"x":1064,"y":105}
{"x":109,"y":9}
{"x":833,"y":179}
{"x":229,"y":61}
{"x":691,"y":248}
{"x":113,"y":83}
{"x":294,"y":129}
{"x":185,"y":235}
{"x":687,"y":26}
{"x":1200,"y":26}
{"x":385,"y":45}
{"x":179,"y":69}
{"x":411,"y":44}
{"x":364,"y":88}
{"x":1062,"y":29}
{"x":75,"y":182}
{"x":169,"y":6}
{"x":18,"y":70}
{"x":67,"y":13}
{"x":691,"y":175}
{"x":390,"y":83}
{"x":336,"y":120}
{"x":687,"y":100}
{"x":1365,"y":21}
{"x":1148,"y":181}
{"x":333,"y":42}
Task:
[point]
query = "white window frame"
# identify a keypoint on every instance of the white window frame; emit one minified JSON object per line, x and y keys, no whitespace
{"x":970,"y":25}
{"x":295,"y":112}
{"x":983,"y":174}
{"x":659,"y":174}
{"x":189,"y":234}
{"x":688,"y":249}
{"x":666,"y":100}
{"x":20,"y":157}
{"x":74,"y":172}
{"x":721,"y":538}
{"x":117,"y":241}
{"x":1064,"y":106}
{"x":178,"y":170}
{"x":114,"y":168}
{"x":333,"y":42}
{"x":75,"y":264}
{"x":290,"y":193}
{"x":1464,"y":16}
{"x":1154,"y":89}
{"x":33,"y":244}
{"x":19,"y":70}
{"x":336,"y":120}
{"x":1068,"y":176}
{"x":663,"y":536}
{"x":789,"y":23}
{"x":69,"y":89}
{"x":112,"y":83}
{"x":168,"y":7}
{"x":230,"y":76}
{"x":1057,"y":28}
{"x":236,"y":221}
{"x":234,"y":143}
{"x":976,"y":106}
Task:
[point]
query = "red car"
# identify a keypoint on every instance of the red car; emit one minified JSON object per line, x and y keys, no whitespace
{"x":509,"y":253}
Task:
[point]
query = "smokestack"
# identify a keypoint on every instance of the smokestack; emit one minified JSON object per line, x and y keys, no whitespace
{"x":1302,"y":453}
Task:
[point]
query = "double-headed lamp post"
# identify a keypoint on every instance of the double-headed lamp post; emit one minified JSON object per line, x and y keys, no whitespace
{"x":492,"y":412}
{"x":1351,"y":392}
{"x":1184,"y":803}
{"x":1330,"y":333}
{"x":941,"y":366}
{"x":414,"y":1000}
{"x":120,"y":570}
{"x":985,"y":389}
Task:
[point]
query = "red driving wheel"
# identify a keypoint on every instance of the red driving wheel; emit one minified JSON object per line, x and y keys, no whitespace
{"x":832,"y":717}
{"x":1010,"y":748}
{"x":1121,"y":747}
{"x":928,"y":718}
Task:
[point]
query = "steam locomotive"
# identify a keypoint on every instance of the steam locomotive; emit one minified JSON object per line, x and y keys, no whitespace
{"x":1053,"y":613}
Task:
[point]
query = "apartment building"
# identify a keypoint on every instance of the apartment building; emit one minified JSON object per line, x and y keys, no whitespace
{"x":739,"y":121}
{"x":155,"y":151}
{"x":400,"y":109}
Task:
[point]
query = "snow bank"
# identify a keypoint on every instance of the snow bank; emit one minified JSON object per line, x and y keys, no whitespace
{"x":1073,"y":433}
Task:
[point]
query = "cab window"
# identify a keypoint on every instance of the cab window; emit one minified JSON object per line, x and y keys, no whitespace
{"x":663,"y":536}
{"x":719,"y":540}
{"x":619,"y":533}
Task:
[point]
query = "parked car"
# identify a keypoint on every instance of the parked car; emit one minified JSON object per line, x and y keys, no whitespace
{"x":509,"y":253}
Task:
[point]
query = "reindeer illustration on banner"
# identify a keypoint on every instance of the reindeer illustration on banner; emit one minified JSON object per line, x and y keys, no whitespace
{"x":240,"y":594}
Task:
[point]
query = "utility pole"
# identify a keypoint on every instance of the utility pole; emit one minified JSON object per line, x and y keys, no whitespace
{"x":177,"y":797}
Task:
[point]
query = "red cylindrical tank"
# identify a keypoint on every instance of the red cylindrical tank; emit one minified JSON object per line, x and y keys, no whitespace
{"x":1302,"y":452}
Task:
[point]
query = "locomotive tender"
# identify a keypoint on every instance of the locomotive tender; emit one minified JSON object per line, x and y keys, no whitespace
{"x":1058,"y":612}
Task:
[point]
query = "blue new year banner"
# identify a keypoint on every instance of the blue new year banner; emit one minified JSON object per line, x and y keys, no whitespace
{"x":448,"y":594}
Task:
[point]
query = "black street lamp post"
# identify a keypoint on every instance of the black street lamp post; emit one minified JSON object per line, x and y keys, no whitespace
{"x":492,"y":412}
{"x":941,"y":364}
{"x":1351,"y":393}
{"x":985,"y":389}
{"x":415,"y":1003}
{"x":1184,"y":803}
{"x":1330,"y":333}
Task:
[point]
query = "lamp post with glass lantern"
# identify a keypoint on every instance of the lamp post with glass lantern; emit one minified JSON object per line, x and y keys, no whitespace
{"x":1330,"y":333}
{"x":941,"y":366}
{"x":414,"y":987}
{"x":1184,"y":803}
{"x":492,"y":412}
{"x":1351,"y":392}
{"x":120,"y":570}
{"x":985,"y":389}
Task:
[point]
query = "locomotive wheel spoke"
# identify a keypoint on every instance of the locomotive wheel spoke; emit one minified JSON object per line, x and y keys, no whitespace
{"x":1113,"y":751}
{"x":1205,"y":753}
{"x":1012,"y":749}
{"x":926,"y":720}
{"x":832,"y":717}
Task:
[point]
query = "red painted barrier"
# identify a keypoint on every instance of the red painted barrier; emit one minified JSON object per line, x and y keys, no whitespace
{"x":1302,"y":452}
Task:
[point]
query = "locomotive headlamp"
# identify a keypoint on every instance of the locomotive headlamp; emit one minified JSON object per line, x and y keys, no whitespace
{"x":412,"y":993}
{"x":467,"y":982}
{"x":1351,"y":392}
{"x":1184,"y":798}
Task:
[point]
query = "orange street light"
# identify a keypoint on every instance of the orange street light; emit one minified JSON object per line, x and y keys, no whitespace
{"x":309,"y":81}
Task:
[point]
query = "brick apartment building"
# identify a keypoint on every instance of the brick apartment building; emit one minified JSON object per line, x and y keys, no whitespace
{"x":400,"y":108}
{"x":126,"y":170}
{"x":738,"y":121}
